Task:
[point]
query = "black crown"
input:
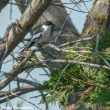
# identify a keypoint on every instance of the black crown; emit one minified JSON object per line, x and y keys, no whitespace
{"x":48,"y":23}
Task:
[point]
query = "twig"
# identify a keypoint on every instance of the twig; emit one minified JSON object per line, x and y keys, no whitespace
{"x":25,"y":100}
{"x":71,"y":8}
{"x":15,"y":72}
{"x":78,"y":63}
{"x":62,"y":26}
{"x":17,"y":4}
{"x":72,"y":42}
{"x":97,"y":43}
{"x":63,"y":72}
{"x":85,"y":82}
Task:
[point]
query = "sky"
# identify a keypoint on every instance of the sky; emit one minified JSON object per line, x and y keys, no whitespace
{"x":77,"y":18}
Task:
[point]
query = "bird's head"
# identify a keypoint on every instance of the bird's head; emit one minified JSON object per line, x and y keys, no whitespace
{"x":48,"y":23}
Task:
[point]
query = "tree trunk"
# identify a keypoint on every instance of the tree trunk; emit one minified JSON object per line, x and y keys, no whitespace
{"x":97,"y":19}
{"x":98,"y":23}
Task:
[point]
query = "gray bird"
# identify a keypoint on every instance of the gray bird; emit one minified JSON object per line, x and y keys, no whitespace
{"x":41,"y":34}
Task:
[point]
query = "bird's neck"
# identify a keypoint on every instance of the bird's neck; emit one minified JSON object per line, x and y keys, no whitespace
{"x":46,"y":27}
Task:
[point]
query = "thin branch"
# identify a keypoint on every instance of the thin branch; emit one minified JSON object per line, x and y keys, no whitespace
{"x":97,"y":43}
{"x":69,"y":3}
{"x":78,"y":63}
{"x":63,"y":72}
{"x":63,"y":25}
{"x":15,"y":90}
{"x":85,"y":82}
{"x":26,"y":100}
{"x":61,"y":50}
{"x":25,"y":81}
{"x":17,"y":4}
{"x":18,"y":92}
{"x":23,"y":25}
{"x":15,"y":72}
{"x":70,"y":8}
{"x":73,"y":42}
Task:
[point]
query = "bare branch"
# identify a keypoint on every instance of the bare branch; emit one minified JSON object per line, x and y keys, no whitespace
{"x":78,"y":63}
{"x":26,"y":90}
{"x":16,"y":90}
{"x":15,"y":72}
{"x":90,"y":83}
{"x":72,"y":42}
{"x":25,"y":81}
{"x":19,"y":93}
{"x":30,"y":16}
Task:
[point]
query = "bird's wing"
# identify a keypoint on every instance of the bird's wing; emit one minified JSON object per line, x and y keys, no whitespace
{"x":33,"y":40}
{"x":30,"y":44}
{"x":38,"y":30}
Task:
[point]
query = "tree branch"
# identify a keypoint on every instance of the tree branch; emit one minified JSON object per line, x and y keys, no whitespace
{"x":17,"y":70}
{"x":25,"y":81}
{"x":30,"y":16}
{"x":3,"y":3}
{"x":77,"y":63}
{"x":18,"y":92}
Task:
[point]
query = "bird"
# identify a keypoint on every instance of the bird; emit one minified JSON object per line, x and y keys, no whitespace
{"x":41,"y":34}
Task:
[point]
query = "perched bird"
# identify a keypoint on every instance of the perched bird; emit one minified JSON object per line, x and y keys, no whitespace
{"x":41,"y":34}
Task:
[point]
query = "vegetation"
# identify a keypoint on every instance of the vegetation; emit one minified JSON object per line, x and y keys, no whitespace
{"x":79,"y":64}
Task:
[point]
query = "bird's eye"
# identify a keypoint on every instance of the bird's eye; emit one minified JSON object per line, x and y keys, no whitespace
{"x":35,"y":38}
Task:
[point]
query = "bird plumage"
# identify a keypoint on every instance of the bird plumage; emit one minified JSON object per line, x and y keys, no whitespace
{"x":40,"y":34}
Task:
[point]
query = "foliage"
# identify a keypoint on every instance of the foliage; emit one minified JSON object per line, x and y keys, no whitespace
{"x":105,"y":41}
{"x":78,"y":78}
